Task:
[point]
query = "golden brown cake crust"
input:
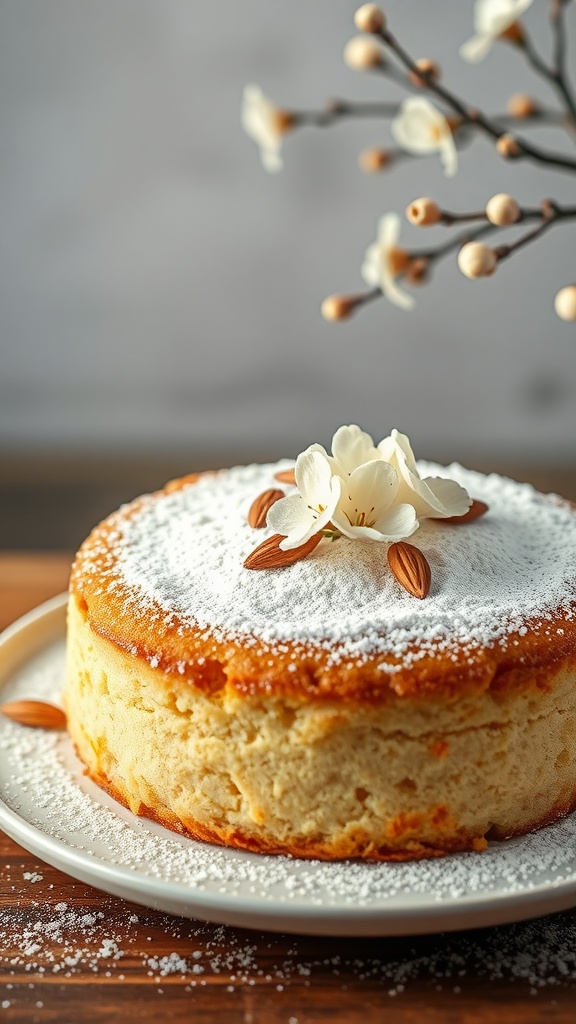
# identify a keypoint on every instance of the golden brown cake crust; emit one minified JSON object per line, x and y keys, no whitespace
{"x":526,"y":661}
{"x":356,"y":845}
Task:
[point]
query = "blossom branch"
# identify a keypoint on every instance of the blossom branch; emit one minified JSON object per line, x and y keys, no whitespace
{"x":501,"y":211}
{"x":522,"y":147}
{"x":550,"y":214}
{"x":419,"y":128}
{"x":556,"y":75}
{"x":475,"y":259}
{"x":414,"y":266}
{"x":337,"y":110}
{"x":560,"y":48}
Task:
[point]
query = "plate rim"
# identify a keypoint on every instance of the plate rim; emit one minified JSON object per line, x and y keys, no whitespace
{"x":427,"y":916}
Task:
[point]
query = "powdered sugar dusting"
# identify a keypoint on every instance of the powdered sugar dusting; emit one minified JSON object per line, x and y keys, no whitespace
{"x":182,"y":555}
{"x":42,"y":782}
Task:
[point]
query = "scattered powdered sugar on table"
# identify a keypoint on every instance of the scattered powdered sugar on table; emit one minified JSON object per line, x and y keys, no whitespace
{"x":55,"y":939}
{"x":182,"y":554}
{"x":42,"y":781}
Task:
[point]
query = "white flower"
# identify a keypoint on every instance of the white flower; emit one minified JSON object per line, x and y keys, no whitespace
{"x":384,"y":261}
{"x":299,"y":516}
{"x":368,"y":508}
{"x":266,"y":125}
{"x":433,"y":496}
{"x":362,"y":491}
{"x":420,"y":128}
{"x":491,"y":19}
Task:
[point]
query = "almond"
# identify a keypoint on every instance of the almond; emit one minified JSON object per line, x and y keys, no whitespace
{"x":35,"y":713}
{"x":269,"y":555}
{"x":285,"y":476}
{"x":477,"y":509}
{"x":410,"y":567}
{"x":260,"y":505}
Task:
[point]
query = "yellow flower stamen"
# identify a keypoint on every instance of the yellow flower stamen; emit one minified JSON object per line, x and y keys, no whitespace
{"x":317,"y":510}
{"x":361,"y":518}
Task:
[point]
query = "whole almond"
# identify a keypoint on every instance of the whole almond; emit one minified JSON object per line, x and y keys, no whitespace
{"x":269,"y":555}
{"x":477,"y":509}
{"x":410,"y":568}
{"x":260,"y":505}
{"x":285,"y":476}
{"x":35,"y":713}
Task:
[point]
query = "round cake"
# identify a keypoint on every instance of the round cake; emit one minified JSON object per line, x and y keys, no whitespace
{"x":316,"y":707}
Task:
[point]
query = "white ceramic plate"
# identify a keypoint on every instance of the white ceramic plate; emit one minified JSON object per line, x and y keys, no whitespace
{"x":48,"y":806}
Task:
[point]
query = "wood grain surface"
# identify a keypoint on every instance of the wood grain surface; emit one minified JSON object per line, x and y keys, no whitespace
{"x":70,"y":954}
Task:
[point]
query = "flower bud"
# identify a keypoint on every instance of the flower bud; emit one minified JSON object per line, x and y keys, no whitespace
{"x":476,"y":260}
{"x":502,"y":210}
{"x":337,"y":307}
{"x":522,"y":105}
{"x":429,"y":68}
{"x":508,"y":147}
{"x":374,"y":159}
{"x":362,"y":53}
{"x":423,"y":212}
{"x":565,"y":303}
{"x":369,"y":18}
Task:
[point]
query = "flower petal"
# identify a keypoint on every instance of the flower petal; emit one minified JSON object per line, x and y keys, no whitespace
{"x":393,"y":292}
{"x":417,"y":124}
{"x":374,"y":483}
{"x":389,"y":227}
{"x":259,"y":121}
{"x":289,"y":515}
{"x":370,"y":268}
{"x":352,"y":447}
{"x":271,"y":159}
{"x":477,"y":48}
{"x":421,"y":128}
{"x":316,"y":521}
{"x":449,"y":155}
{"x":400,"y":521}
{"x":313,"y":473}
{"x":397,"y":451}
{"x":397,"y":446}
{"x":448,"y":495}
{"x":491,"y":17}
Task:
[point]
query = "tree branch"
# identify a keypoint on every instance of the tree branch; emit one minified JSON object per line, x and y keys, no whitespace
{"x":475,"y":117}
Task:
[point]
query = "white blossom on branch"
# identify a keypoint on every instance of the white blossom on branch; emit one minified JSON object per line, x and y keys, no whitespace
{"x":492,"y":18}
{"x":266,"y":125}
{"x":385,"y":261}
{"x":420,"y":128}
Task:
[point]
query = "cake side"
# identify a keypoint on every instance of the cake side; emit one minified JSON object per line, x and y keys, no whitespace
{"x":415,"y":777}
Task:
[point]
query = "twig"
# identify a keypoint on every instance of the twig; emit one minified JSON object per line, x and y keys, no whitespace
{"x":560,"y":74}
{"x":550,"y":214}
{"x":526,"y":213}
{"x":476,"y":117}
{"x":335,"y":110}
{"x":453,"y":244}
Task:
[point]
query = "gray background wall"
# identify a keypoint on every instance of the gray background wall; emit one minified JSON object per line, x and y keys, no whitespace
{"x":161,"y":292}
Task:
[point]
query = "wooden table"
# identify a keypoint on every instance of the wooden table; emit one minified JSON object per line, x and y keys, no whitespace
{"x":100,"y":959}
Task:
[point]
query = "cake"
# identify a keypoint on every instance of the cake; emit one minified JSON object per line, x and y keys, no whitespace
{"x":316,"y":707}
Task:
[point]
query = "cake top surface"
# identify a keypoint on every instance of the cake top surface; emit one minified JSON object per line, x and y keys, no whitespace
{"x":176,"y":559}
